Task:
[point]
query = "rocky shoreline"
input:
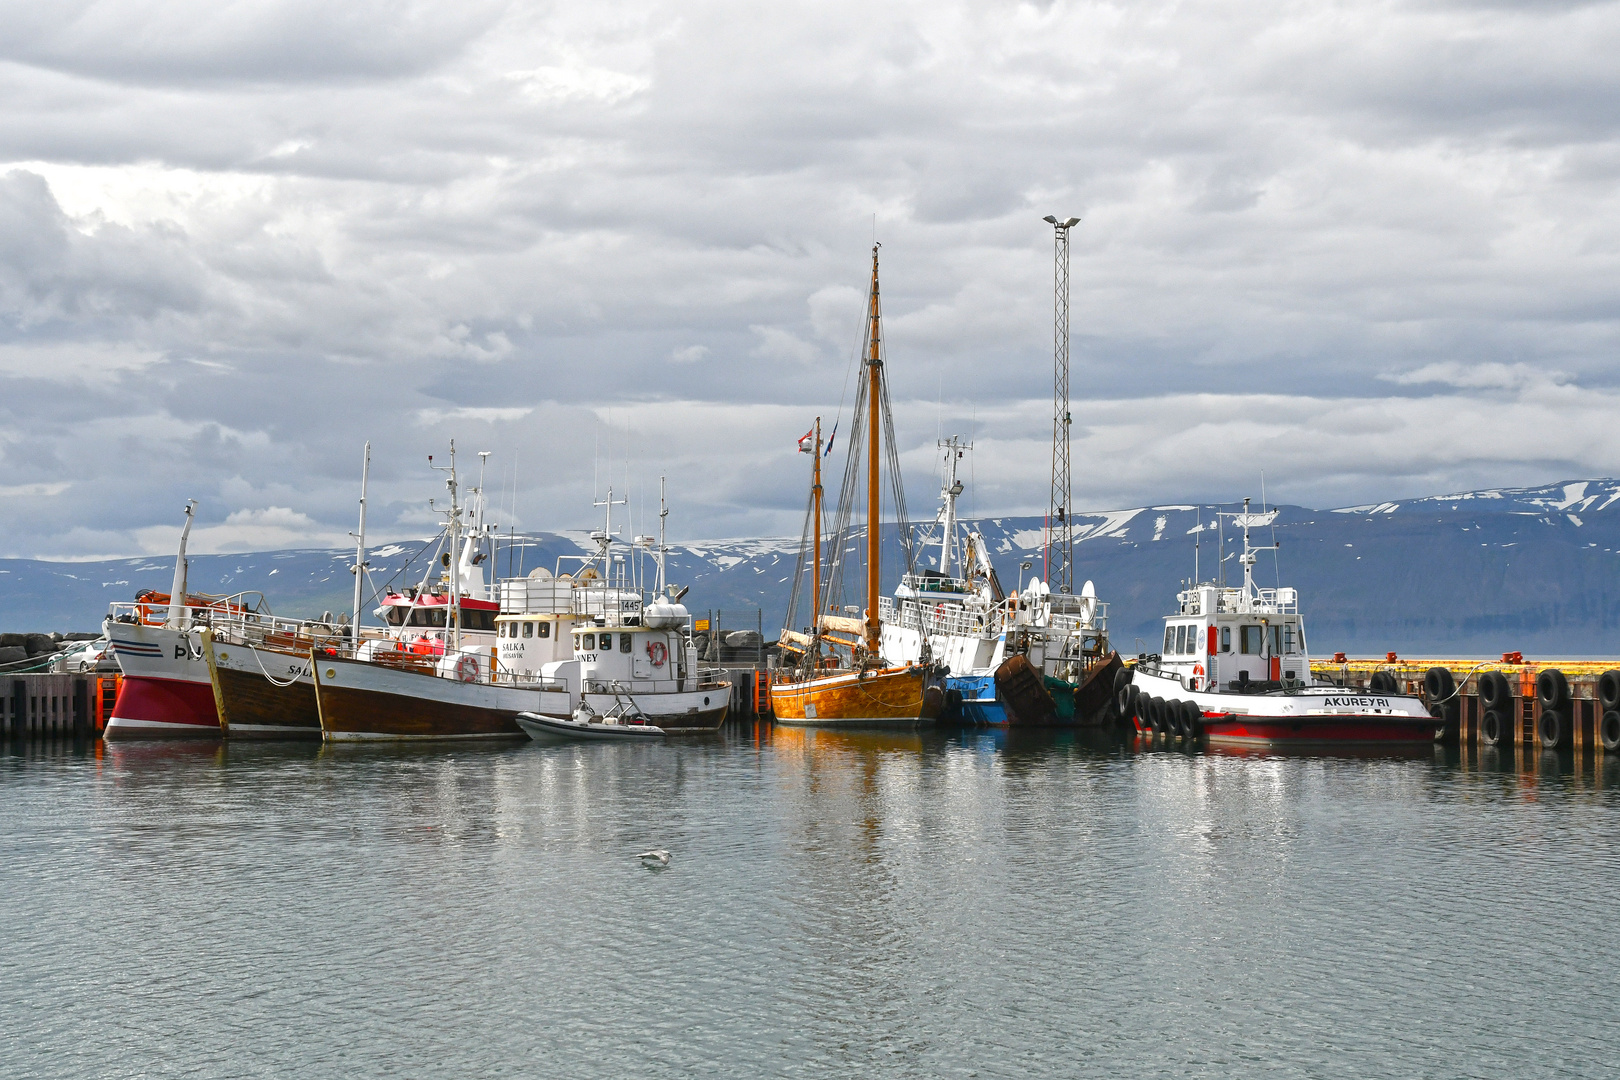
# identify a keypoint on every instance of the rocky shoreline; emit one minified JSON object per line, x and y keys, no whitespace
{"x":20,"y":652}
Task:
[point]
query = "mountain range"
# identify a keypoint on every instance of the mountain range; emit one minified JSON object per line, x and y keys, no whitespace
{"x":1534,"y":570}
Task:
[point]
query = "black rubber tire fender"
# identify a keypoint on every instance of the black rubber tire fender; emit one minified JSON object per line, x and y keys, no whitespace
{"x":1495,"y":691}
{"x":1552,"y":729}
{"x":1172,"y":717}
{"x":1192,"y":720}
{"x":1382,"y":682}
{"x":1161,"y":716}
{"x":1438,"y":684}
{"x":1494,"y":729}
{"x":1608,"y":687}
{"x":1552,"y":690}
{"x":1609,"y":730}
{"x":1126,"y":698}
{"x":1123,"y":678}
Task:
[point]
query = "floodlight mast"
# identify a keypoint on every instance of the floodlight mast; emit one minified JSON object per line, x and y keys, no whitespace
{"x":1060,"y":508}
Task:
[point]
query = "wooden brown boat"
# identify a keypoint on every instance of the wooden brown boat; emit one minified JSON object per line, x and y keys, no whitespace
{"x":862,"y":698}
{"x":262,"y":693}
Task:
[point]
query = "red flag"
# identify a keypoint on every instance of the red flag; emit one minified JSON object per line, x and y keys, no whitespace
{"x":807,"y":444}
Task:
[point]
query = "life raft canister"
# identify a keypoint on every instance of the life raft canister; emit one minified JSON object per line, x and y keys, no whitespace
{"x":657,"y":653}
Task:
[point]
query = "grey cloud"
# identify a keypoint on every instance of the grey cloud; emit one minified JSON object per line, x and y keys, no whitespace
{"x":543,"y":207}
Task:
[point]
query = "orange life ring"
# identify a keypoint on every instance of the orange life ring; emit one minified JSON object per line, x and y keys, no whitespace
{"x":467,"y":669}
{"x":1198,"y":669}
{"x":657,"y":652}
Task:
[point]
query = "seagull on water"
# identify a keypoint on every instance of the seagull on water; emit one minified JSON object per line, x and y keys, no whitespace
{"x":656,"y":857}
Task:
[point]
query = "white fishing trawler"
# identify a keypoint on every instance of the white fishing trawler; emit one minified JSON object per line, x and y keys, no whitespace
{"x":1235,"y":668}
{"x":595,"y":632}
{"x":1031,"y":658}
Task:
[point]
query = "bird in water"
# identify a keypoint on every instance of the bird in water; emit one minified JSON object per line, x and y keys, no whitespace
{"x":657,"y":857}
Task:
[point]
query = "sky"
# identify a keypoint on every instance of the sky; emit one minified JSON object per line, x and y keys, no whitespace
{"x":1365,"y":251}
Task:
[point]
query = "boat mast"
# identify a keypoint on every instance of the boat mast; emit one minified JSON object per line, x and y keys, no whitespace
{"x":177,"y":591}
{"x":360,"y":546}
{"x":454,"y":531}
{"x":815,"y":559}
{"x":663,"y":512}
{"x":953,"y":448}
{"x":874,"y":434}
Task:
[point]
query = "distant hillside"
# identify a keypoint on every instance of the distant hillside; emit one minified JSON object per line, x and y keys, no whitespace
{"x":1530,"y":569}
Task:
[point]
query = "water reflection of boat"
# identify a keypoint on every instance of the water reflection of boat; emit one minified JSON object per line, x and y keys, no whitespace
{"x":837,"y":673}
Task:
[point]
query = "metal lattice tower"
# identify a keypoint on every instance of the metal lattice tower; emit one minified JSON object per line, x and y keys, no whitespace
{"x":1060,"y":542}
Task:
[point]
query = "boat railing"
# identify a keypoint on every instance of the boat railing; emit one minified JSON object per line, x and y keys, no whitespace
{"x":938,"y":617}
{"x":1080,"y":623}
{"x":1279,"y":601}
{"x":526,"y":681}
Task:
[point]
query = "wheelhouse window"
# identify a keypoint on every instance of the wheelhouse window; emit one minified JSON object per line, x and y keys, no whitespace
{"x":528,"y":629}
{"x":606,"y":641}
{"x":1250,"y":640}
{"x":545,"y":630}
{"x":1226,"y":639}
{"x":587,"y":642}
{"x":1169,"y":640}
{"x":624,"y":642}
{"x":395,"y":616}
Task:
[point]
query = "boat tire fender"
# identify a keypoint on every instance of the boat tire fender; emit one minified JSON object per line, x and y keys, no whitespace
{"x":1126,"y":698}
{"x":1382,"y":682}
{"x":1494,"y":691}
{"x":1438,"y":684}
{"x":1609,"y":689}
{"x":1552,"y":729}
{"x":1192,"y":718}
{"x":1493,"y":728}
{"x":1552,"y":690}
{"x":1609,"y":730}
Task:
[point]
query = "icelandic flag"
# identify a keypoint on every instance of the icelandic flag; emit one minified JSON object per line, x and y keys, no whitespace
{"x":830,"y":439}
{"x":806,"y":444}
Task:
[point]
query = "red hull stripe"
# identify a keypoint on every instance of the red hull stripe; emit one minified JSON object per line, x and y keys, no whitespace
{"x":166,"y":701}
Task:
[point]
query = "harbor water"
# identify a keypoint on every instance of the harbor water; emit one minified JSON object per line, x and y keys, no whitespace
{"x":836,"y":904}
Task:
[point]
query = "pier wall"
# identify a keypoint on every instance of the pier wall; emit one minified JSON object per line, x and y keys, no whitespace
{"x":56,"y":705}
{"x":1580,"y":721}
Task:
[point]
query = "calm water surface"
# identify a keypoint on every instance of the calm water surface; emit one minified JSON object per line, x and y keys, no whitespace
{"x":837,"y":905}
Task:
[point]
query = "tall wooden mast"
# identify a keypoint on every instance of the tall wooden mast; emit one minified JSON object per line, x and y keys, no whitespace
{"x":874,"y":437}
{"x":815,"y":513}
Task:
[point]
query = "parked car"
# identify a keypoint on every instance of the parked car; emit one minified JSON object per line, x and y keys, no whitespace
{"x":94,"y":655}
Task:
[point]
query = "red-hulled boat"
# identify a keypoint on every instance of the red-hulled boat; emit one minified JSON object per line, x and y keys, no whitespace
{"x":1235,"y":670}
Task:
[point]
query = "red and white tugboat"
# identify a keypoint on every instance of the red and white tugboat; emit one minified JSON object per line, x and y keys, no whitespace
{"x":1235,"y":669}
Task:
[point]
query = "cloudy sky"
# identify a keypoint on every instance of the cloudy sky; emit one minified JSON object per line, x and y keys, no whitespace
{"x":1369,"y":249}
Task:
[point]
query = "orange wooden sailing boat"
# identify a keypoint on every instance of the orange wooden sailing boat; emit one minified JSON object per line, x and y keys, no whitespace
{"x":836,"y":674}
